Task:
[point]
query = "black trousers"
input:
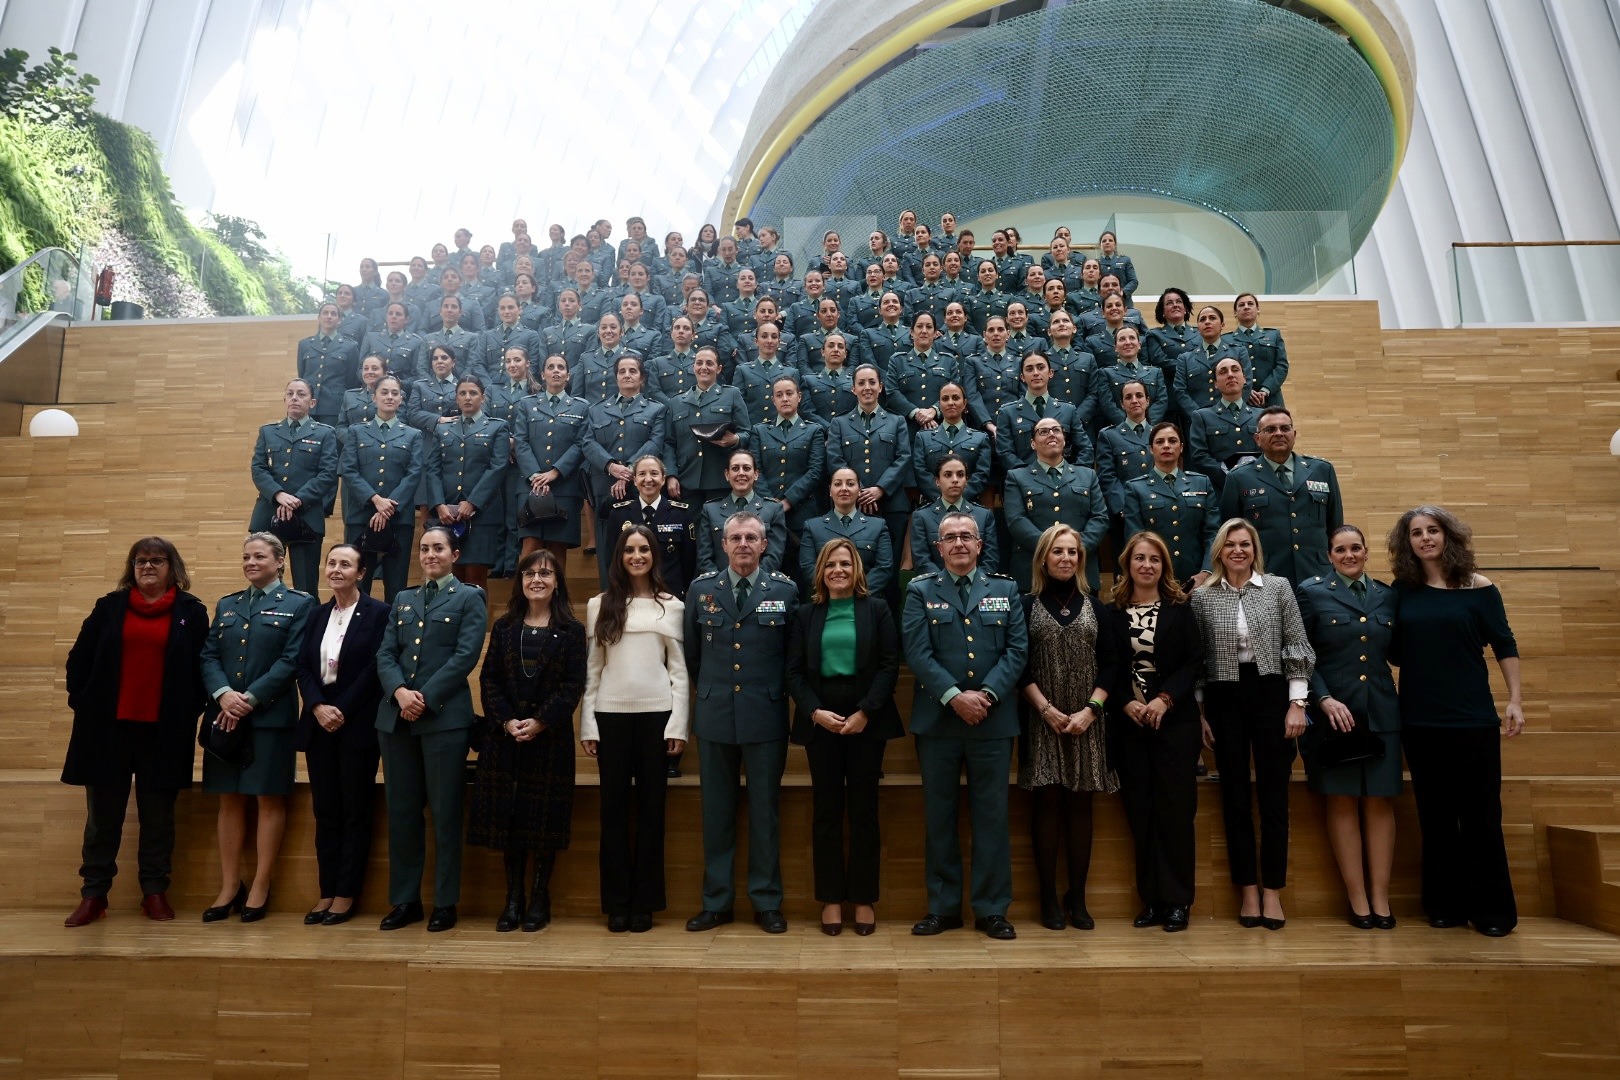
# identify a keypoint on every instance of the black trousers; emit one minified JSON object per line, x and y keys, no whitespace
{"x":1159,"y":788}
{"x":342,"y":791}
{"x":1457,"y":783}
{"x":105,"y":806}
{"x":392,"y":569}
{"x":1247,"y":719}
{"x":630,"y":757}
{"x":844,"y":774}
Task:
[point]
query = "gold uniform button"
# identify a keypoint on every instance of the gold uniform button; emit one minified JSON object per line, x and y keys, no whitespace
{"x":736,"y":667}
{"x":1363,"y":637}
{"x":738,"y":625}
{"x":736,"y":689}
{"x":1362,"y":619}
{"x":738,"y":644}
{"x":1364,"y":678}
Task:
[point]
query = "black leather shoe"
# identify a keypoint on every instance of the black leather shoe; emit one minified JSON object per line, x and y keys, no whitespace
{"x":932,"y":924}
{"x":832,"y":929}
{"x":672,"y":771}
{"x":1148,"y":916}
{"x":1361,"y":922}
{"x":1176,"y":920}
{"x":401,"y":915}
{"x":1051,"y":913}
{"x":337,"y":918}
{"x":1445,"y":922}
{"x":709,"y":920}
{"x":1249,"y":922}
{"x":640,"y":922}
{"x":772,"y":922}
{"x":1493,"y":929}
{"x":223,"y":911}
{"x":1272,"y":924}
{"x":442,"y":919}
{"x":996,"y":927}
{"x":1384,"y":922}
{"x":314,"y":918}
{"x":1078,"y":916}
{"x":618,"y":924}
{"x":254,"y":914}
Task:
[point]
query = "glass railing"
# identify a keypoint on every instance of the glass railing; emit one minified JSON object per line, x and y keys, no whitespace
{"x":51,"y":280}
{"x":1553,"y":281}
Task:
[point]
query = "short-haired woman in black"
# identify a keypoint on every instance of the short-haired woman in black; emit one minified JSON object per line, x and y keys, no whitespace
{"x":134,"y":683}
{"x":337,"y":730}
{"x":843,"y":663}
{"x":1449,"y":614}
{"x":532,"y":679}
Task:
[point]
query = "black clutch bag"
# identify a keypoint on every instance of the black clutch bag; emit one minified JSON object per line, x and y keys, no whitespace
{"x":234,"y":747}
{"x":537,"y":508}
{"x":373,"y":542}
{"x":292,"y":531}
{"x":1337,"y":748}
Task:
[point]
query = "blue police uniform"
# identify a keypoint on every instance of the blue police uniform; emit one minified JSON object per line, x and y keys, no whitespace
{"x":674,"y":526}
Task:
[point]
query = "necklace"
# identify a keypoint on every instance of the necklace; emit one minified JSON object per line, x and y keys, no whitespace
{"x":530,"y":633}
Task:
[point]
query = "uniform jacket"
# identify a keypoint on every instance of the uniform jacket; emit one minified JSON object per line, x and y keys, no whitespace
{"x":552,"y":436}
{"x":377,"y":462}
{"x":253,"y":649}
{"x":981,"y":644}
{"x":712,"y":528}
{"x":1122,"y":456}
{"x":621,"y":431}
{"x":1293,"y":525}
{"x":1218,"y":437}
{"x":870,"y":535}
{"x":674,"y":523}
{"x":1184,"y":512}
{"x":880,"y":455}
{"x":792,"y":463}
{"x":930,"y":446}
{"x":432,"y":647}
{"x":1352,"y":639}
{"x":303,"y":464}
{"x":925,"y":532}
{"x":736,"y":655}
{"x":470,"y":460}
{"x":697,"y":463}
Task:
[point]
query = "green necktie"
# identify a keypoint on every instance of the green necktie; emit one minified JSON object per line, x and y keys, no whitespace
{"x":1359,"y":587}
{"x":962,"y":590}
{"x":868,"y":418}
{"x":743,"y":589}
{"x":785,"y":425}
{"x":1052,"y":471}
{"x":1284,"y":476}
{"x":1040,"y":405}
{"x":844,"y":518}
{"x":255,"y":594}
{"x":429,"y":591}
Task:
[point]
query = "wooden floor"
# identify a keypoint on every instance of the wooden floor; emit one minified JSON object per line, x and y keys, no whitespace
{"x":1508,"y":427}
{"x":1318,"y":999}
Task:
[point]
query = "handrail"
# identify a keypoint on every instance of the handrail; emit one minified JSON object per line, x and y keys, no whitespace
{"x":1536,"y":243}
{"x":77,"y":302}
{"x":36,"y":257}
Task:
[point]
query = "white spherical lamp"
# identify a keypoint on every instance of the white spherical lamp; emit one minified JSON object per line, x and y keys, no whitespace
{"x":1614,"y":443}
{"x":52,"y":422}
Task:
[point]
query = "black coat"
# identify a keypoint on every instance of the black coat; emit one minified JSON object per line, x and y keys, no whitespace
{"x":357,"y":691}
{"x":96,"y":754}
{"x":1177,"y":657}
{"x":877,"y":668}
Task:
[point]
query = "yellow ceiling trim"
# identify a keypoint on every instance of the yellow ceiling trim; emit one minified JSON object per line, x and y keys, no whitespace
{"x":1342,"y":12}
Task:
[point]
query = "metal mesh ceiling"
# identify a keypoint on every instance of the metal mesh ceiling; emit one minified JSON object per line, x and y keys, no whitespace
{"x":1233,"y":105}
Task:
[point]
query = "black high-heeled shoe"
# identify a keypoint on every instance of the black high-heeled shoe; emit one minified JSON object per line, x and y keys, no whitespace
{"x":254,"y":914}
{"x":1051,"y":913}
{"x":223,"y":911}
{"x":1075,"y":908}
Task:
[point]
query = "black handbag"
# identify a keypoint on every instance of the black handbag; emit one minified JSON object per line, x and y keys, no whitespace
{"x":1359,"y":744}
{"x":294,"y":530}
{"x":538,"y":508}
{"x":377,"y":542}
{"x":234,"y":747}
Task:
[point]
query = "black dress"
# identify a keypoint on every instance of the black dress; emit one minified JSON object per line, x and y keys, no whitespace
{"x":523,"y":794}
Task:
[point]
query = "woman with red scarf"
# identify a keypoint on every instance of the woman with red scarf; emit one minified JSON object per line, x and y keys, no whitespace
{"x":134,"y":683}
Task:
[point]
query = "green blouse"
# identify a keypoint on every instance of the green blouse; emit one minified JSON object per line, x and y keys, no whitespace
{"x":838,"y":638}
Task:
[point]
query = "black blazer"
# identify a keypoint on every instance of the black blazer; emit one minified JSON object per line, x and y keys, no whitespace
{"x":1178,"y":656}
{"x":357,"y":691}
{"x":877,"y":668}
{"x":95,"y":751}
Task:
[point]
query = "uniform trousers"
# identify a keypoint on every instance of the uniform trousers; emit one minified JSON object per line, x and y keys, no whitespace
{"x":720,"y":765}
{"x":430,"y":771}
{"x":1159,"y":787}
{"x":630,"y":756}
{"x":342,"y":782}
{"x":1457,"y":783}
{"x":104,"y":832}
{"x":304,"y":560}
{"x":1247,"y":719}
{"x":844,"y":775}
{"x":941,"y":760}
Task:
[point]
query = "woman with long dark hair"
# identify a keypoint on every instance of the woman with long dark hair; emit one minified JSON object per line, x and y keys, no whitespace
{"x":134,"y":683}
{"x":1449,"y":614}
{"x":636,"y":713}
{"x":531,"y":681}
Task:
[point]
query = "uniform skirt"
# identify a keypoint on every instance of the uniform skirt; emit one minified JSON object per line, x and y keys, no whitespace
{"x":1379,"y":777}
{"x":270,"y":774}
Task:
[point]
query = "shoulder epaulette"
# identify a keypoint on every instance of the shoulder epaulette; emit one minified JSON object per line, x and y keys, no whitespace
{"x":777,"y":575}
{"x":680,"y":505}
{"x":626,"y":502}
{"x":1003,"y":577}
{"x":300,"y":592}
{"x":709,"y":574}
{"x":926,"y":575}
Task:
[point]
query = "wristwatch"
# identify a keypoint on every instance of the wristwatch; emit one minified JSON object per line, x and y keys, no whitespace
{"x":1297,"y":701}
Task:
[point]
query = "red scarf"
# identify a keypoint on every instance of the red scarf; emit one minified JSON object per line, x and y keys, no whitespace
{"x":146,"y":639}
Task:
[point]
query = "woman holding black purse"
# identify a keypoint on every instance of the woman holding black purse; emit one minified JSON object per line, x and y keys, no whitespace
{"x":1352,"y":749}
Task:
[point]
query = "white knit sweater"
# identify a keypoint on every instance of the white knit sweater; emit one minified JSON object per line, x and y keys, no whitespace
{"x":644,"y":671}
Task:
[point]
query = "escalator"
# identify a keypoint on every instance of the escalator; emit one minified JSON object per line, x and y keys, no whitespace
{"x":39,"y":298}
